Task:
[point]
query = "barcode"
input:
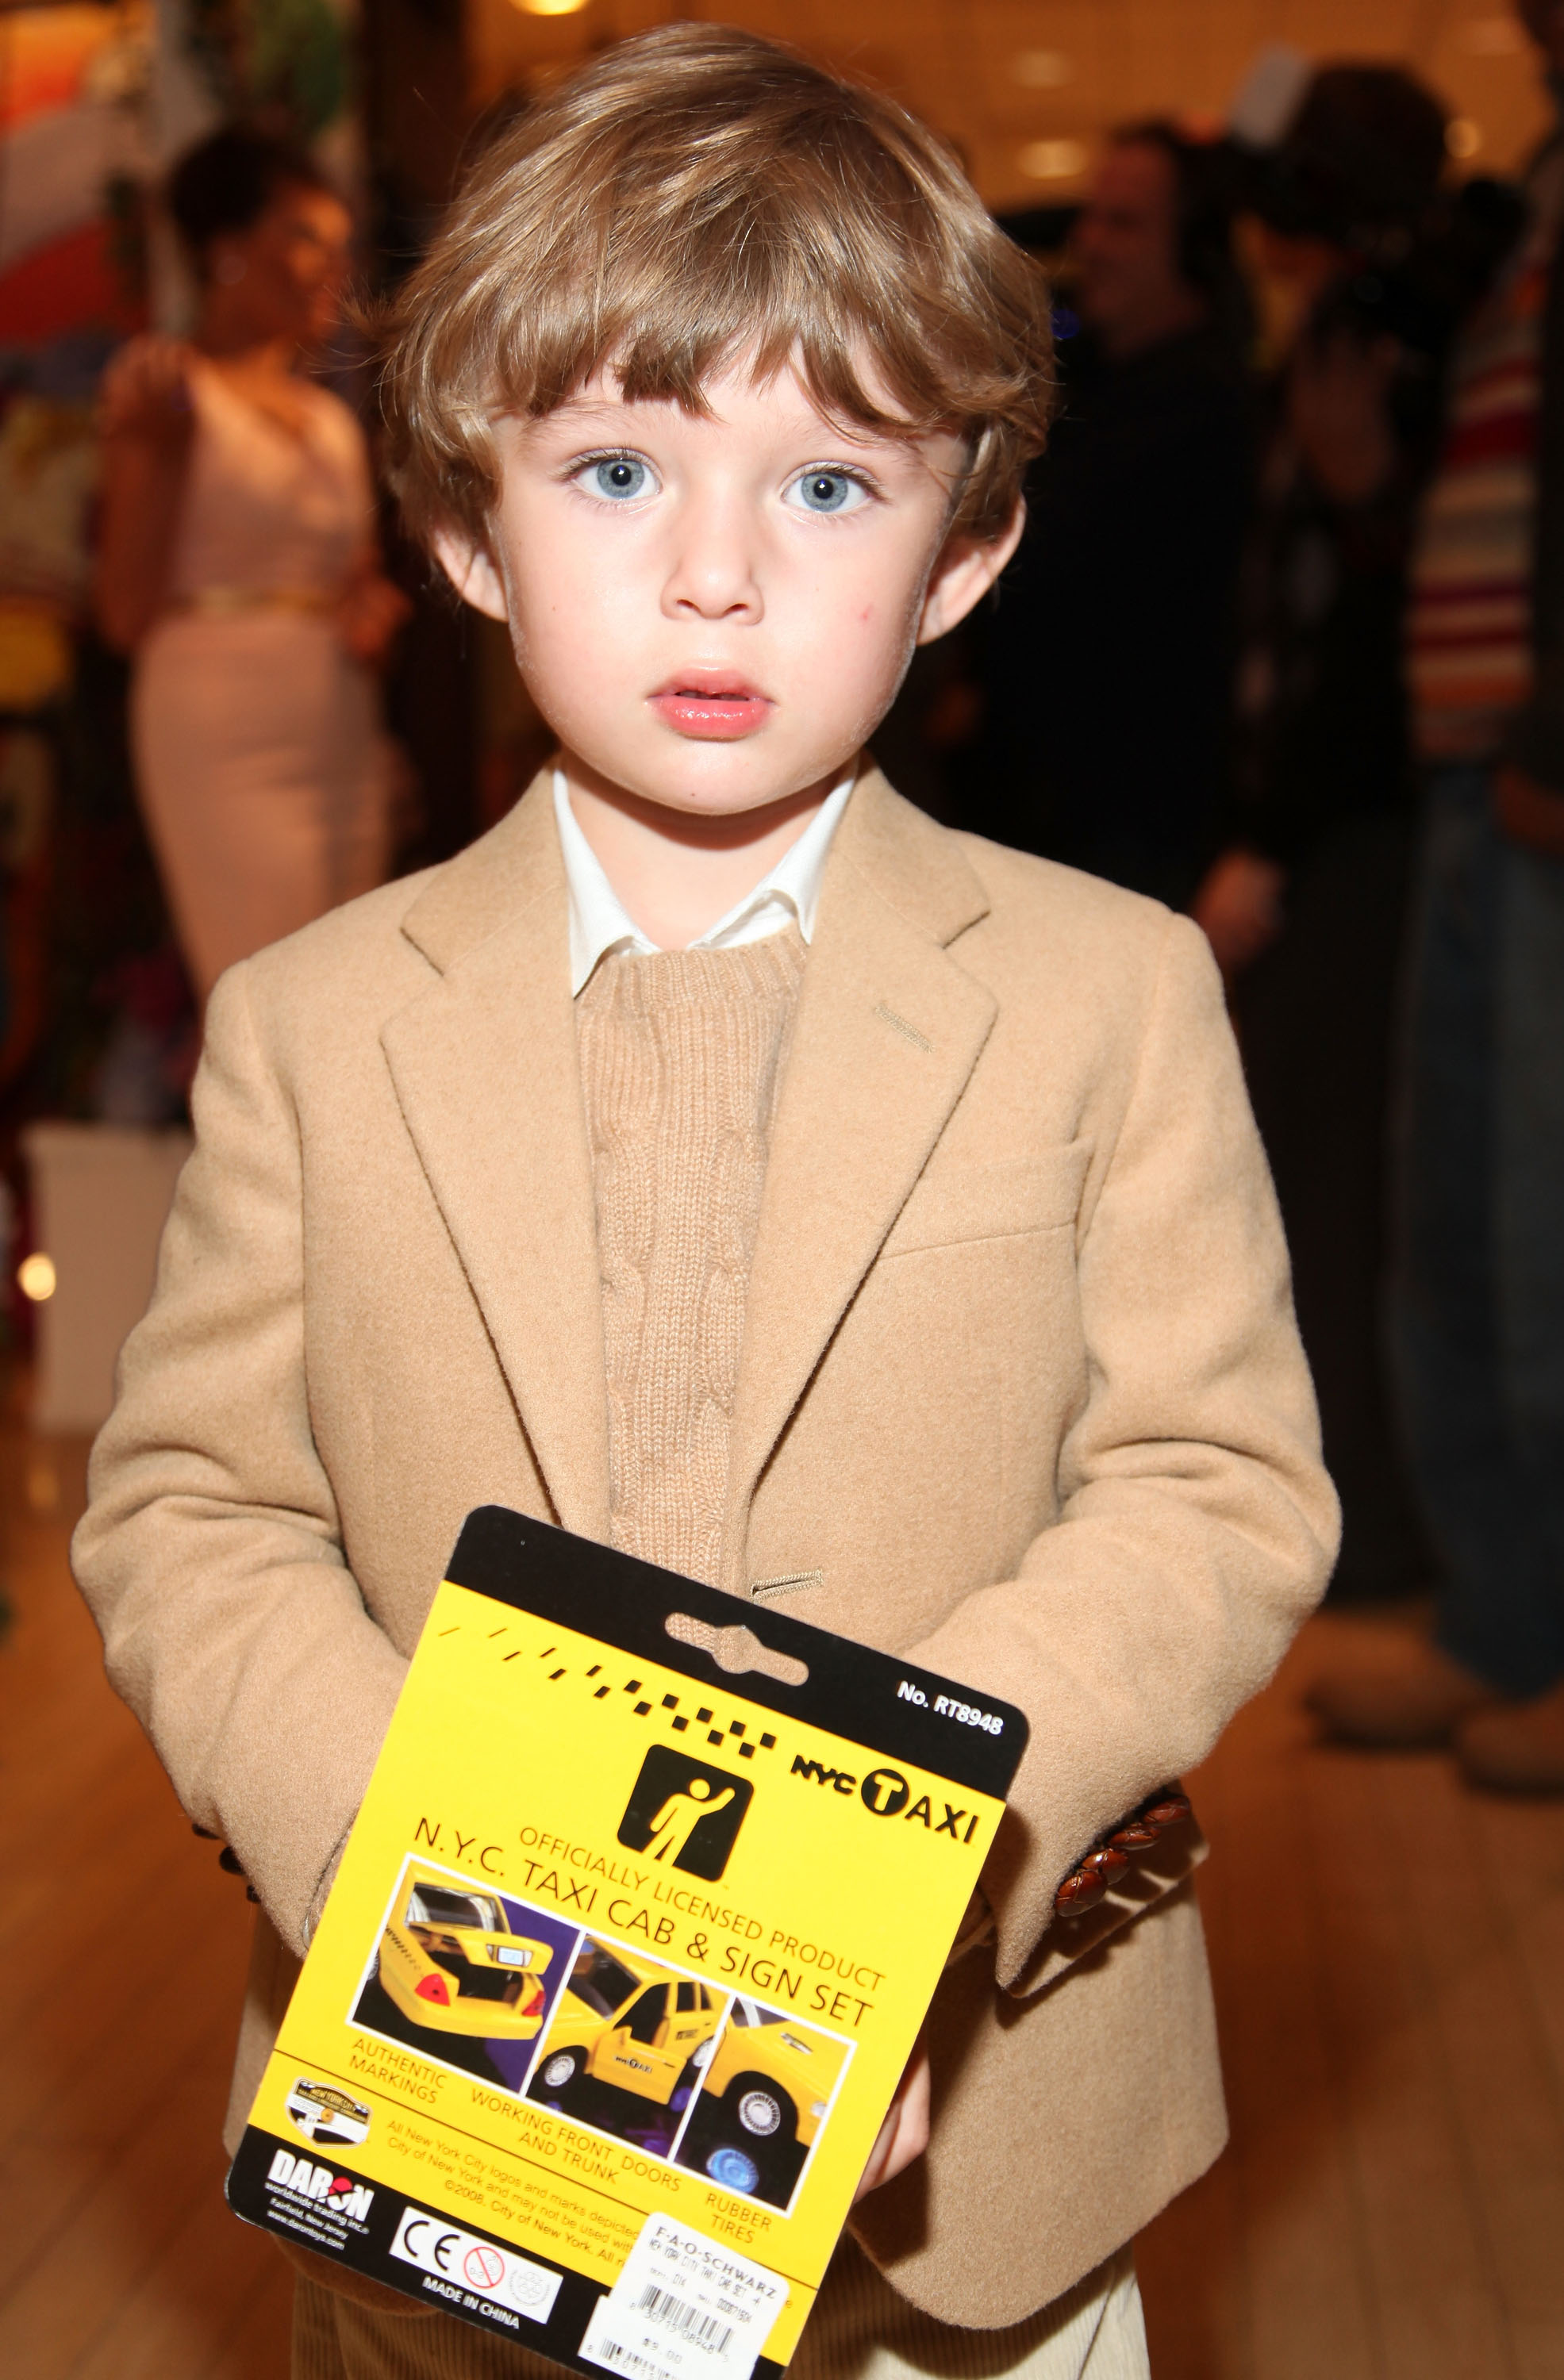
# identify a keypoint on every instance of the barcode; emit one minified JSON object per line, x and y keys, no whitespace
{"x":707,"y":2330}
{"x":610,"y":2350}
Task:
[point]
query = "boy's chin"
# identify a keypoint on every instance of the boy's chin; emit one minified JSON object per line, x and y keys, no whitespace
{"x":704,"y":778}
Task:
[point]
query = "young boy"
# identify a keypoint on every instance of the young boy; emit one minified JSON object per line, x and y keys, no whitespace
{"x":722,"y":1160}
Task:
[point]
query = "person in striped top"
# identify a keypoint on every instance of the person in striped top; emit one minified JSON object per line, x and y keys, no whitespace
{"x":1470,"y":634}
{"x":1479,"y":1302}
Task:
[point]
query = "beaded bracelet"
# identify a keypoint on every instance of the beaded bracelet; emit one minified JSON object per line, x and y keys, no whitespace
{"x":1112,"y":1851}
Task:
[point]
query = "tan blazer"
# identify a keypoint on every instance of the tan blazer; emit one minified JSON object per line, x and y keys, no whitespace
{"x":1021,"y":1396}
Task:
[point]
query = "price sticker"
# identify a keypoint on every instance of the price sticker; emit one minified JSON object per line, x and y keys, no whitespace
{"x":684,"y":2305}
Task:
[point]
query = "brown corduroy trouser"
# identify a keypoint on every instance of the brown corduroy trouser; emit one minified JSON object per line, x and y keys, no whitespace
{"x":859,"y":2330}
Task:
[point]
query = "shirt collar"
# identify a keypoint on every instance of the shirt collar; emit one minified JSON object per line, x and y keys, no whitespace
{"x":599,"y":922}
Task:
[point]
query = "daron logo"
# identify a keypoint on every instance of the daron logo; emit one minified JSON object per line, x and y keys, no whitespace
{"x":340,"y":2192}
{"x":685,"y":1813}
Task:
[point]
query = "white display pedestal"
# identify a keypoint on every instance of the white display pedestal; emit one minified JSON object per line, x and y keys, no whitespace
{"x":101,"y":1193}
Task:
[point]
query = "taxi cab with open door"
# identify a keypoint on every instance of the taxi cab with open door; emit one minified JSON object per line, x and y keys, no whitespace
{"x":630,"y":2023}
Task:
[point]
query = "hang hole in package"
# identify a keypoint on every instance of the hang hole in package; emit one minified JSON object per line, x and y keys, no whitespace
{"x":623,"y":1963}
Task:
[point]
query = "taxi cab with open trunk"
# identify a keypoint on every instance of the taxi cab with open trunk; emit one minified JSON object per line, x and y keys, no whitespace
{"x":451,"y":1962}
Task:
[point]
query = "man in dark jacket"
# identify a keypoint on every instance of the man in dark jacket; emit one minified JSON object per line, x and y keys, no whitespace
{"x":1304,"y":908}
{"x":1109,"y":655}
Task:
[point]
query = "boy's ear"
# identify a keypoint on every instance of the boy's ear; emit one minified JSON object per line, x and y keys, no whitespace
{"x":966,"y":569}
{"x":471,"y":569}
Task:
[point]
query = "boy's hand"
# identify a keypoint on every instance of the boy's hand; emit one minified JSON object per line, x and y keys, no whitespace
{"x":904,"y":2135}
{"x":977,"y":1925}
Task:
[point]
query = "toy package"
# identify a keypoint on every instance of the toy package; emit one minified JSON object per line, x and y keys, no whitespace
{"x":628,"y":1951}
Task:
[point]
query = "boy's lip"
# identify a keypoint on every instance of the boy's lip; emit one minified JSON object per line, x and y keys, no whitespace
{"x":711,"y":703}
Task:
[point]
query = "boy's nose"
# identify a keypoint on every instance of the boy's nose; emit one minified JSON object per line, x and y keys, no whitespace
{"x":713,"y":573}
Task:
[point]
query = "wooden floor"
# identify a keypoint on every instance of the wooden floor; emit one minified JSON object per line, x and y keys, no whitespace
{"x":1389,"y":1962}
{"x":122,"y":1956}
{"x":1388,"y":1955}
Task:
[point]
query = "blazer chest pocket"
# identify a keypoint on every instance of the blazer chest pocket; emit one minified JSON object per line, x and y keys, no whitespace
{"x":955,"y":1204}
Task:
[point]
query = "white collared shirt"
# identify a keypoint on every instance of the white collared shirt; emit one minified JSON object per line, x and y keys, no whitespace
{"x":788,"y":892}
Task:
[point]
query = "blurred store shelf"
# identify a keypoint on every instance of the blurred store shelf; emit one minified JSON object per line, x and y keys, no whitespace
{"x":1389,"y":1960}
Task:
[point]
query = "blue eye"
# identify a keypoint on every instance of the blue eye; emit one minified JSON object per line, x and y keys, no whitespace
{"x":828,"y":491}
{"x":619,"y":477}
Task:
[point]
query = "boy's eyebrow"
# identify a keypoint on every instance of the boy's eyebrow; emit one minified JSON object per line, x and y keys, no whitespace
{"x":583,"y":413}
{"x":576,"y":409}
{"x":581,"y":407}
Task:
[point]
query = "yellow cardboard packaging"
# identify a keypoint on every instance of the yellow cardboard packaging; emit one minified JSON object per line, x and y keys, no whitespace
{"x":628,"y":1951}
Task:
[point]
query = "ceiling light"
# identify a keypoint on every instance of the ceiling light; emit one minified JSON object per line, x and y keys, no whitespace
{"x":1042,"y":70}
{"x":1053,"y":161}
{"x":1463,"y":138}
{"x":548,"y":8}
{"x":35,"y":1277}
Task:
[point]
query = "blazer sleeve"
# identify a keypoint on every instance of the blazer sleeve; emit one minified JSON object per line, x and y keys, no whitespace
{"x":1197,"y":1525}
{"x":211,"y":1553}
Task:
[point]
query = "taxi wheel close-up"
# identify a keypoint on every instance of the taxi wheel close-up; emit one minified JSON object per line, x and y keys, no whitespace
{"x":765,"y":2113}
{"x":735,"y":2168}
{"x":562,"y":2070}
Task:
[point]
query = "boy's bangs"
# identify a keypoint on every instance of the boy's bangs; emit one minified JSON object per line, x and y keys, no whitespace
{"x":693,"y":199}
{"x":669,"y":289}
{"x":860,"y":372}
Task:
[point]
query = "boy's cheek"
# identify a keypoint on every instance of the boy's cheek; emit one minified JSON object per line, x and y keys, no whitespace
{"x":594,"y":639}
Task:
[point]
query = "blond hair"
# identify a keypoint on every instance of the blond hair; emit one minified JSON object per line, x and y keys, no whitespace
{"x":692,"y":198}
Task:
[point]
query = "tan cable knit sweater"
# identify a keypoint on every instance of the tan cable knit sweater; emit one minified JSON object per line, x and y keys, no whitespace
{"x":681,"y":1058}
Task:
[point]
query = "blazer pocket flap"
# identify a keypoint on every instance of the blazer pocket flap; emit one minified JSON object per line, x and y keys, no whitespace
{"x":990,"y":1202}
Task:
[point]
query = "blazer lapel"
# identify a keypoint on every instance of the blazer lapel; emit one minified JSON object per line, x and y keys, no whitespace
{"x":485,"y":1070}
{"x":887,"y":1032}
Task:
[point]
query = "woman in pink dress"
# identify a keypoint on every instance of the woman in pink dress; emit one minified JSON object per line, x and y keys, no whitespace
{"x":238,"y":563}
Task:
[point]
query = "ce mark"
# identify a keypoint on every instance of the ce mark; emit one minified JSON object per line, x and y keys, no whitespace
{"x":443,"y":2246}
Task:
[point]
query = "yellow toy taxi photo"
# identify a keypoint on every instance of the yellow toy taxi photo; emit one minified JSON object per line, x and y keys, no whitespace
{"x":463,"y":1974}
{"x":451,"y":1962}
{"x":629,"y":2040}
{"x":767,"y":2090}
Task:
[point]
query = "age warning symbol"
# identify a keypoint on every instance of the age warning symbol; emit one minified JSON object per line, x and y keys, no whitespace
{"x":685,"y":1813}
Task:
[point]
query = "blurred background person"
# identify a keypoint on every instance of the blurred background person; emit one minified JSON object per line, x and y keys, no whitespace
{"x":1479,"y":1306}
{"x":1304,"y":905}
{"x":237,"y":562}
{"x":1109,"y":655}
